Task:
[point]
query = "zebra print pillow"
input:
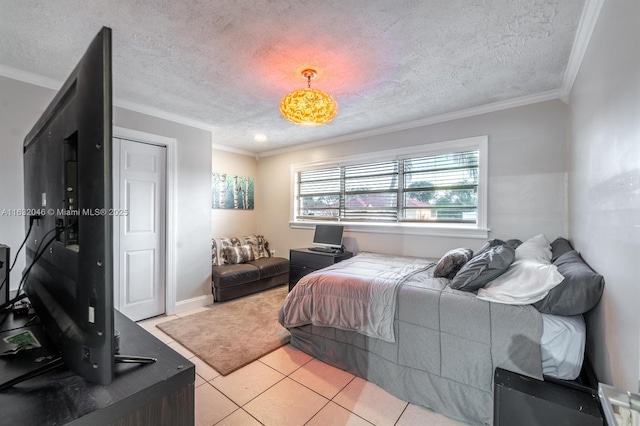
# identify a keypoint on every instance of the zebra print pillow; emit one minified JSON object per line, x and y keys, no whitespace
{"x":217,"y":249}
{"x":242,"y":254}
{"x":258,"y":244}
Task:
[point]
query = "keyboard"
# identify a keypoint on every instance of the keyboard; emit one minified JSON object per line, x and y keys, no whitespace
{"x":324,"y":250}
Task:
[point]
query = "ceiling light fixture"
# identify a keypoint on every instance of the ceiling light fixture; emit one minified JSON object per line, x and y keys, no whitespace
{"x":308,"y":107}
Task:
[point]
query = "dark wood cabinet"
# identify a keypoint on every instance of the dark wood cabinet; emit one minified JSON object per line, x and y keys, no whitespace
{"x":524,"y":401}
{"x":304,"y":261}
{"x":161,"y":393}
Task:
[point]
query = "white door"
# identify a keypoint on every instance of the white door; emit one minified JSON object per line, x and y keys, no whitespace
{"x":139,"y":194}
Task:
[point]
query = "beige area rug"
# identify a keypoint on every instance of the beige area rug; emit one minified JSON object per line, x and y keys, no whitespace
{"x":233,"y":334}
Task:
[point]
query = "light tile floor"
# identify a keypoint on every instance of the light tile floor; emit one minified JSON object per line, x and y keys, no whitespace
{"x":288,"y":387}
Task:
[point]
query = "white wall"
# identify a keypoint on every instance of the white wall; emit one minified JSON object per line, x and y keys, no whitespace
{"x":604,"y":187}
{"x":21,"y":104}
{"x":193,"y":217}
{"x":527,"y":175}
{"x":229,"y":222}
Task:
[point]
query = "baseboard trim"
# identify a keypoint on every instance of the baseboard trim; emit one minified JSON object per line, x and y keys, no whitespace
{"x":189,"y":304}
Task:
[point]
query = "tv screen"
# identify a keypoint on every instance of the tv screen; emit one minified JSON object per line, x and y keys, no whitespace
{"x":67,"y":181}
{"x":328,"y":236}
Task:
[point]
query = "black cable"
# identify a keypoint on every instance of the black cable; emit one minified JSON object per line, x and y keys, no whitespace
{"x":4,"y":318}
{"x":31,"y":220}
{"x":29,"y":322}
{"x":39,"y":252}
{"x":15,"y":259}
{"x":25,"y":274}
{"x":5,"y":279}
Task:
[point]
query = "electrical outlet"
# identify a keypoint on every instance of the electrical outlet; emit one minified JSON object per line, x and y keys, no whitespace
{"x":273,"y":253}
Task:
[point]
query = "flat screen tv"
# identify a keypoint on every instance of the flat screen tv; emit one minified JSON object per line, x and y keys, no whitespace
{"x":328,"y":236}
{"x":67,"y":190}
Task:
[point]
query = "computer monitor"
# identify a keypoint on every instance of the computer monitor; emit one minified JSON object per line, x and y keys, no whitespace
{"x":328,"y":236}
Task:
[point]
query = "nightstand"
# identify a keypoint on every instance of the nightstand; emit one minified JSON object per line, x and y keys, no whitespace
{"x":303,"y":261}
{"x":523,"y":401}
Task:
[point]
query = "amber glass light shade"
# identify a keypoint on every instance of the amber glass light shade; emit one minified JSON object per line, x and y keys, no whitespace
{"x":308,"y":107}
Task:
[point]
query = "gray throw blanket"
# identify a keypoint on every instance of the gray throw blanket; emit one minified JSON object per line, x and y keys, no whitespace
{"x":357,"y":294}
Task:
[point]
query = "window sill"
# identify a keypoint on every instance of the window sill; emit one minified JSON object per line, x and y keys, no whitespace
{"x":434,"y":230}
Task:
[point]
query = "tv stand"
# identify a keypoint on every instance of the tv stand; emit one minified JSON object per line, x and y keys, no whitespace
{"x":29,"y":361}
{"x":159,"y":393}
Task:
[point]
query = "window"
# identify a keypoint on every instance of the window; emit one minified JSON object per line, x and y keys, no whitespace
{"x":441,"y":188}
{"x":441,"y":184}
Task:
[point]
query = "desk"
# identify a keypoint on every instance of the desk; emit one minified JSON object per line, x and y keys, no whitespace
{"x":161,"y":393}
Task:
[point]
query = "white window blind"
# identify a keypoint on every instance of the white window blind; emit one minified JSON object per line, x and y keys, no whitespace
{"x":371,"y":192}
{"x":442,"y":188}
{"x":319,"y":193}
{"x":439,"y":188}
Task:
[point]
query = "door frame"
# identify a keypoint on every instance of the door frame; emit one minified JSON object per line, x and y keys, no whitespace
{"x":170,"y":216}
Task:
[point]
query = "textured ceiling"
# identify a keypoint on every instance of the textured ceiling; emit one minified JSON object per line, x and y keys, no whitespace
{"x":227,"y":64}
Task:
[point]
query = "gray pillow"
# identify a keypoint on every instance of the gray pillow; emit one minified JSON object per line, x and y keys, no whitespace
{"x":488,"y":245}
{"x":481,"y":269}
{"x":449,"y":265}
{"x":580,"y":290}
{"x":559,"y":246}
{"x":515,"y":243}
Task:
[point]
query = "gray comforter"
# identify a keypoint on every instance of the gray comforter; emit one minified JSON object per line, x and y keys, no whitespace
{"x":444,"y":346}
{"x":358,"y":294}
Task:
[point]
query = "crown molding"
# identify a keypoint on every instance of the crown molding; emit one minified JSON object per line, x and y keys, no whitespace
{"x":586,"y":26}
{"x":427,"y":121}
{"x":50,"y":83}
{"x":144,"y":109}
{"x":38,"y":80}
{"x":158,"y":113}
{"x":231,"y":149}
{"x":29,"y":77}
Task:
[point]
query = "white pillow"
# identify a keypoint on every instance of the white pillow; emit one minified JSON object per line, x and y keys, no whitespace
{"x":535,"y":248}
{"x":525,"y":282}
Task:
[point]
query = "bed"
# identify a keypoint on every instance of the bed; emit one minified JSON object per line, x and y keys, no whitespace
{"x":387,"y":319}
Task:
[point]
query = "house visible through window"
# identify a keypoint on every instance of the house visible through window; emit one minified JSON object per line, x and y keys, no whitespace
{"x":437,"y":183}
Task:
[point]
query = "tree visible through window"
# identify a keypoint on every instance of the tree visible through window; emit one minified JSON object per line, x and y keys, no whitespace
{"x":435,"y":188}
{"x":442,"y":188}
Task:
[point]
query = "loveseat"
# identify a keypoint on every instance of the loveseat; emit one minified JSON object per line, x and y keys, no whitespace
{"x":244,"y":265}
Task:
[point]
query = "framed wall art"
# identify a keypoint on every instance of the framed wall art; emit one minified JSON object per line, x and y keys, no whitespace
{"x":231,"y":192}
